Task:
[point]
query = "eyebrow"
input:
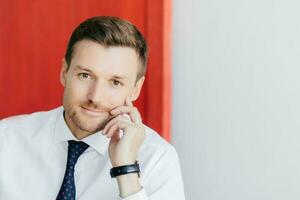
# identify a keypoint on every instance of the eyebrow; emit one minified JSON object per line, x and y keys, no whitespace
{"x":79,"y":67}
{"x":120,"y":77}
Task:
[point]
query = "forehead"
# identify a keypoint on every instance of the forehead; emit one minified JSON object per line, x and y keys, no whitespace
{"x":105,"y":60}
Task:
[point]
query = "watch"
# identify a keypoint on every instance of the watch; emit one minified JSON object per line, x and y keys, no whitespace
{"x":125,"y":169}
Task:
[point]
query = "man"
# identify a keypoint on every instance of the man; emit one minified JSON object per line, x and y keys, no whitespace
{"x":95,"y":146}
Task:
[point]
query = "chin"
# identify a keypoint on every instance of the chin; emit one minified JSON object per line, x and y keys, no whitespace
{"x":90,"y":124}
{"x":90,"y":129}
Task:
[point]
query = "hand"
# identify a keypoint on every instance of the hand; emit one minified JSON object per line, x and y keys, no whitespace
{"x":124,"y":150}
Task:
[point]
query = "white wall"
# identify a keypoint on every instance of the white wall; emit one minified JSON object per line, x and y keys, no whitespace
{"x":236,"y":109}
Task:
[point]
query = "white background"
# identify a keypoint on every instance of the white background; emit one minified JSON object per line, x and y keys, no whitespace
{"x":236,"y":97}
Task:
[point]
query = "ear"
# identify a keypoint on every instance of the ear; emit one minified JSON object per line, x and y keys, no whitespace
{"x":137,"y":89}
{"x":63,"y":72}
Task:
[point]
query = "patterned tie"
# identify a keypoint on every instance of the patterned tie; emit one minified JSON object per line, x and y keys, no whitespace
{"x":68,"y":190}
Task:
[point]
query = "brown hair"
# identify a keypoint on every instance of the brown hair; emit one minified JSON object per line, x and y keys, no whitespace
{"x":110,"y":31}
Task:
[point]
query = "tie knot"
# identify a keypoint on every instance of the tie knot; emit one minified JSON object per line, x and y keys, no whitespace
{"x":75,"y":149}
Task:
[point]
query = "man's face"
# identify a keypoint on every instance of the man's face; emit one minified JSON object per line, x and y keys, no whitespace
{"x":98,"y":80}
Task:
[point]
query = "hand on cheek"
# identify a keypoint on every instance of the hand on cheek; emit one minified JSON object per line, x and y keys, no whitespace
{"x":124,"y":150}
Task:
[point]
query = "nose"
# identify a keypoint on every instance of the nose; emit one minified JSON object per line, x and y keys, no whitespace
{"x":96,"y":93}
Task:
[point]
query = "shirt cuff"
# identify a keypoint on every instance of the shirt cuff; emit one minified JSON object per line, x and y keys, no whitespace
{"x":141,"y":195}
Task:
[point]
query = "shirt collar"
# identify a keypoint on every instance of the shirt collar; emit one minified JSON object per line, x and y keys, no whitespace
{"x":62,"y":133}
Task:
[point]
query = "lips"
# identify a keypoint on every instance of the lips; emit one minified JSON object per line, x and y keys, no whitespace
{"x":91,"y":111}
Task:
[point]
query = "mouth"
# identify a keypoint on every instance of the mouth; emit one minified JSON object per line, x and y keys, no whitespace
{"x":92,"y":112}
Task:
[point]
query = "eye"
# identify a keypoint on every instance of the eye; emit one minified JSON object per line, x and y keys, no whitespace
{"x":83,"y":75}
{"x":116,"y":83}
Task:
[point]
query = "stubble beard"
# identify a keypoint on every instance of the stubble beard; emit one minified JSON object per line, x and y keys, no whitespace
{"x":83,"y":123}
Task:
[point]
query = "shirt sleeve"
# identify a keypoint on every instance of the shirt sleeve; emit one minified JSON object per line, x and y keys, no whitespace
{"x":164,"y":180}
{"x":141,"y":195}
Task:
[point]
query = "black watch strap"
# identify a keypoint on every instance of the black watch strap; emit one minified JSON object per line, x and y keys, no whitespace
{"x":125,"y":169}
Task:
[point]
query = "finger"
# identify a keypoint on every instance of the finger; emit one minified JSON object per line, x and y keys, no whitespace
{"x":114,"y":138}
{"x":116,"y":127}
{"x":120,"y":110}
{"x":113,"y":130}
{"x":113,"y":121}
{"x":131,"y":111}
{"x":128,"y":102}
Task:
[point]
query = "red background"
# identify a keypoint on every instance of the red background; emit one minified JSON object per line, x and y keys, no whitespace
{"x":33,"y":39}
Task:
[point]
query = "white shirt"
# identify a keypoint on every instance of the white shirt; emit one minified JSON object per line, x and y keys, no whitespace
{"x":33,"y":156}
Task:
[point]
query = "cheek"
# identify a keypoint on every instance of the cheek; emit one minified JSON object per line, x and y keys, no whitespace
{"x":75,"y":91}
{"x":117,"y":97}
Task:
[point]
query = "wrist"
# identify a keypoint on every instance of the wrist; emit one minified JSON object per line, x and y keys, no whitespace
{"x":127,"y":177}
{"x":122,"y":163}
{"x":128,"y":184}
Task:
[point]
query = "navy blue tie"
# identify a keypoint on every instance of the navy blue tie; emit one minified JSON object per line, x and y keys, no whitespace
{"x":68,"y":190}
